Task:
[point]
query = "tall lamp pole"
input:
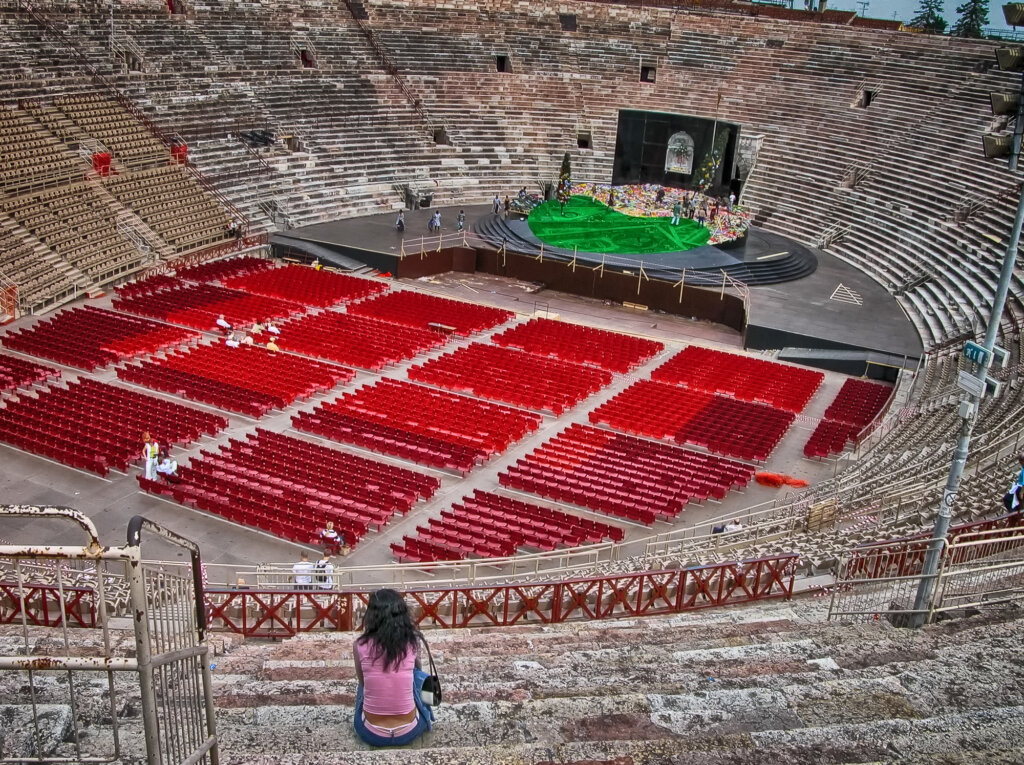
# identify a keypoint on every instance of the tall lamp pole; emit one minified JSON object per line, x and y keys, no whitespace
{"x":977,"y":384}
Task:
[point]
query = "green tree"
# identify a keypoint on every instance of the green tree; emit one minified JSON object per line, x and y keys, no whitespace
{"x":973,"y":16}
{"x":929,"y":17}
{"x":564,"y":190}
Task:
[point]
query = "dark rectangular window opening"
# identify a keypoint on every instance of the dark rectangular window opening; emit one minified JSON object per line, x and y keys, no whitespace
{"x":441,"y":136}
{"x":502,"y":63}
{"x":583,"y":141}
{"x":307,"y":59}
{"x":866,"y":97}
{"x":648,"y":74}
{"x":567,"y":21}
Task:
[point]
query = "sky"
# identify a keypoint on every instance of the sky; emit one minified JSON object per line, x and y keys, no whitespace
{"x":905,"y":10}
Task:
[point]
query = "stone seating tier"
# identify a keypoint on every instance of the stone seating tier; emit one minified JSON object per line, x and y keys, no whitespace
{"x":738,"y":685}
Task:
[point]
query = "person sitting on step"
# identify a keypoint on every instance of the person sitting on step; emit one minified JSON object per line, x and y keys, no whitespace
{"x":389,"y":710}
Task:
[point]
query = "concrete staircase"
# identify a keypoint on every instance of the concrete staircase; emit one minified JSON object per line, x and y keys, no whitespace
{"x":764,"y":683}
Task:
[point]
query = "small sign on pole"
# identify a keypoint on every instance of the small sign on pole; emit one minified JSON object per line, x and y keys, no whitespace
{"x":965,"y":381}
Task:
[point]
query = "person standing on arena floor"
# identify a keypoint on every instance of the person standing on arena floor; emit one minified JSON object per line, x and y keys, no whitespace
{"x":461,"y":220}
{"x":508,"y":206}
{"x":302,"y":572}
{"x":497,"y":203}
{"x":677,"y":210}
{"x":389,"y":708}
{"x":151,"y":456}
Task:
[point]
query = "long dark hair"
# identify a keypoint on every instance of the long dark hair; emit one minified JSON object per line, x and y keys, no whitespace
{"x":388,"y":628}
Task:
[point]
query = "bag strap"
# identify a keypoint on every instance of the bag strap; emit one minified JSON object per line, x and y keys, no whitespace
{"x":430,"y":660}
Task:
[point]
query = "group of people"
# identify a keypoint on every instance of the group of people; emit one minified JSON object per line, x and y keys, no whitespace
{"x":433,"y":223}
{"x":497,"y":205}
{"x":236,"y":338}
{"x":699,"y":210}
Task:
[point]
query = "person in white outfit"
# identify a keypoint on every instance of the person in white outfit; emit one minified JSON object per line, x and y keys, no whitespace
{"x":223,"y":323}
{"x":151,"y":456}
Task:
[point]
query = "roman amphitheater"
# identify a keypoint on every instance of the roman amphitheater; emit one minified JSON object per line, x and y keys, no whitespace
{"x":649,"y":503}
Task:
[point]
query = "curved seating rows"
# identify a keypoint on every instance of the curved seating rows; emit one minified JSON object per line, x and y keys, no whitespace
{"x":98,"y":427}
{"x":613,"y":351}
{"x":301,"y":284}
{"x":248,"y":379}
{"x":16,"y":372}
{"x":199,"y":305}
{"x":421,"y":424}
{"x":741,"y":377}
{"x":506,"y":374}
{"x":417,"y":309}
{"x":489,"y":525}
{"x":291,"y":488}
{"x":88,"y":337}
{"x":624,"y":476}
{"x":359,"y":341}
{"x":219,"y":270}
{"x":718,"y":423}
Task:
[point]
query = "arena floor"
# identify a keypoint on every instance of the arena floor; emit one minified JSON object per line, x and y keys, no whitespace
{"x":111,"y":502}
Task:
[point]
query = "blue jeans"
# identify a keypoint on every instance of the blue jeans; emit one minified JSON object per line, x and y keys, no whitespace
{"x":423,"y":720}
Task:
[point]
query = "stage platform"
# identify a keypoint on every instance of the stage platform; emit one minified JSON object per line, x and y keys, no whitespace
{"x":801,"y":299}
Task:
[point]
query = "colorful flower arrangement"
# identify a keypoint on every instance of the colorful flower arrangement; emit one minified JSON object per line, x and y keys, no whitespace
{"x":641,"y":201}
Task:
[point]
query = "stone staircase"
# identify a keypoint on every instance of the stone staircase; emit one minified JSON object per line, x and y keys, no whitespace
{"x":768,"y":682}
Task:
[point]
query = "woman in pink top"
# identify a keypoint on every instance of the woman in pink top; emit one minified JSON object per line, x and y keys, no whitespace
{"x":389,"y":711}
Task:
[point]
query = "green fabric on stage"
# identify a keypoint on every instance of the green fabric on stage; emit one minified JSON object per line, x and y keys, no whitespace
{"x":592,"y":226}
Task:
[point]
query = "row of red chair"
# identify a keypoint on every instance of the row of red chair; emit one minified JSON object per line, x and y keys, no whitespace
{"x":97,"y":427}
{"x":88,"y":337}
{"x":579,"y":344}
{"x":742,"y":377}
{"x":622,"y":475}
{"x":489,"y":525}
{"x":417,"y":309}
{"x":720,"y":424}
{"x":248,"y":379}
{"x":858,"y":402}
{"x":308,"y":484}
{"x":224,"y":495}
{"x":419,"y":423}
{"x":218,"y":270}
{"x":15,"y":372}
{"x":358,"y":341}
{"x":506,"y":374}
{"x":301,"y":284}
{"x":829,"y":437}
{"x":199,"y":305}
{"x":149,"y":285}
{"x":371,"y":470}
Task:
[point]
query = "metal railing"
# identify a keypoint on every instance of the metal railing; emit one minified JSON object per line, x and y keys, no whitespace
{"x":269,"y":612}
{"x":981,"y":564}
{"x":44,"y":588}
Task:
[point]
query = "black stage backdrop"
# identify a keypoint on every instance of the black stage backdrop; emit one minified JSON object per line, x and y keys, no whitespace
{"x":642,"y":146}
